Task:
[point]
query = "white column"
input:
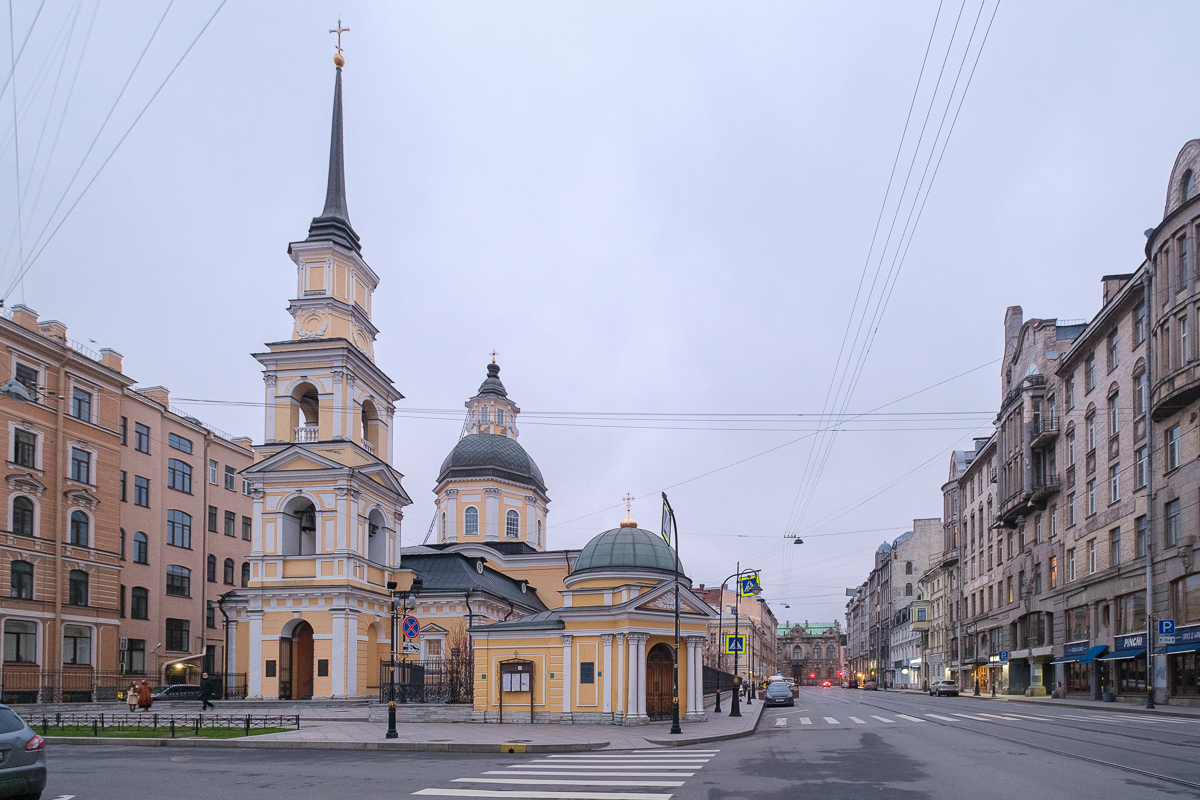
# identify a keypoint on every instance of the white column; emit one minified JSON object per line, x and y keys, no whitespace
{"x":230,"y":652}
{"x":607,"y":682}
{"x":641,"y":650}
{"x":352,"y":645}
{"x":492,"y":509}
{"x":337,"y":671}
{"x":690,"y":698}
{"x":632,"y":682}
{"x":254,"y":668}
{"x":621,"y":675}
{"x":568,"y":673}
{"x":451,"y":512}
{"x":530,"y":519}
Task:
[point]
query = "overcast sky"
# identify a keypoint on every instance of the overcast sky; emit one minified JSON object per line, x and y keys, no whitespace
{"x":655,"y":208}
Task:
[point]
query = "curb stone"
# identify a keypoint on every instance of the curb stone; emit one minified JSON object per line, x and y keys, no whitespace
{"x":386,"y":746}
{"x":715,"y":738}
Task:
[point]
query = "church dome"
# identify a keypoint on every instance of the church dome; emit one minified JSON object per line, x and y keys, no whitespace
{"x":626,"y":548}
{"x":489,"y":455}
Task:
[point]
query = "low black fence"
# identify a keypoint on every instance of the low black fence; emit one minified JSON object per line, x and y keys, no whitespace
{"x":717,"y":681}
{"x":168,"y":724}
{"x":20,"y":684}
{"x":432,"y":680}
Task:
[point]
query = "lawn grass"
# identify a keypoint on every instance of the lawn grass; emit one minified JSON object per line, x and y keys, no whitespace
{"x":162,"y":732}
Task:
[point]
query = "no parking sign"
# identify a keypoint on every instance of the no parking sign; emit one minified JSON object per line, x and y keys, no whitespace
{"x":412,"y":628}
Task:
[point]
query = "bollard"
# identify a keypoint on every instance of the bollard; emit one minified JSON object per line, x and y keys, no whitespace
{"x":199,"y":723}
{"x":247,"y":724}
{"x":156,"y":721}
{"x":58,"y":719}
{"x":101,"y":720}
{"x":172,"y":728}
{"x":45,"y":727}
{"x":95,"y":728}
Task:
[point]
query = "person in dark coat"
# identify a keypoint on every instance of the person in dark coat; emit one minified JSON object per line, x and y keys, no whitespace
{"x":144,"y":698}
{"x":206,"y":693}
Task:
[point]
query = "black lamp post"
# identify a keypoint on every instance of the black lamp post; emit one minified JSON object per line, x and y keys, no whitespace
{"x":399,"y":605}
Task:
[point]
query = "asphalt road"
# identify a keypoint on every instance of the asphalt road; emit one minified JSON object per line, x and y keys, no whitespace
{"x":834,"y":744}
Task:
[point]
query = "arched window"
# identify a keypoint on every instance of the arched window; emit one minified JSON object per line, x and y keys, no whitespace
{"x":1186,"y":186}
{"x":908,"y":590}
{"x":908,"y":568}
{"x":20,"y":641}
{"x":79,"y":529}
{"x":797,"y":653}
{"x":228,"y":570}
{"x":212,"y":568}
{"x":538,"y":540}
{"x":831,"y":652}
{"x":77,"y":644}
{"x":22,"y":580}
{"x":179,"y":581}
{"x":512,"y":525}
{"x":22,"y":516}
{"x":77,"y":592}
{"x":139,"y":603}
{"x":471,"y":521}
{"x":245,"y":573}
{"x":141,"y":548}
{"x":179,"y":528}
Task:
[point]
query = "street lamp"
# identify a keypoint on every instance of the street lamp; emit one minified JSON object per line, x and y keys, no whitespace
{"x":399,"y":603}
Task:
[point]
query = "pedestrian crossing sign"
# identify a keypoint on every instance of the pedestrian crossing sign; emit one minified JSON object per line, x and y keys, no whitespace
{"x":749,"y":586}
{"x":735,"y":644}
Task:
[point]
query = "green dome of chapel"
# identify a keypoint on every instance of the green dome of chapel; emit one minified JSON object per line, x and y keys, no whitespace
{"x":627,"y":547}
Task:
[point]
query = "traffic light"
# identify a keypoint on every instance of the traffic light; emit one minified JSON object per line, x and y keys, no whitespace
{"x":812,"y":674}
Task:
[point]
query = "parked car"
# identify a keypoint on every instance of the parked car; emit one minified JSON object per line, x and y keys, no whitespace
{"x":22,"y":757}
{"x":870,"y":685}
{"x":778,"y":694}
{"x":943,"y":688}
{"x":845,"y":684}
{"x":178,"y":691}
{"x":852,"y":684}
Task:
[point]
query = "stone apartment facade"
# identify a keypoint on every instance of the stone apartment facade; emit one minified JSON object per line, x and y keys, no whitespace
{"x":812,"y":652}
{"x":910,"y":554}
{"x":755,"y":619}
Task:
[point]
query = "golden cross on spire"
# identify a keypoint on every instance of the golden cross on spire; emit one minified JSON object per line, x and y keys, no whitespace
{"x":339,"y":31}
{"x":494,"y":354}
{"x":628,"y":498}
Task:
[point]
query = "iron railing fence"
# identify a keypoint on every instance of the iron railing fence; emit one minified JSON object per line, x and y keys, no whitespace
{"x":182,"y":723}
{"x":432,"y":680}
{"x":717,"y":681}
{"x":26,"y":684}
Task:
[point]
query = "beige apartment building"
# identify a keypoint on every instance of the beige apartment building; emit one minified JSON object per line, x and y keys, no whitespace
{"x":60,"y":552}
{"x":752,"y":617}
{"x":185,"y":537}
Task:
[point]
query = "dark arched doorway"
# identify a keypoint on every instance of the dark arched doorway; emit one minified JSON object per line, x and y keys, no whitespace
{"x":296,"y":664}
{"x":660,"y":682}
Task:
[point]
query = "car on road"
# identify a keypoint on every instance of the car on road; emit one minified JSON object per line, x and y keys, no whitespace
{"x":778,"y":694}
{"x":943,"y":688}
{"x":851,"y":684}
{"x":826,"y":683}
{"x":22,"y":757}
{"x":870,"y":685}
{"x":178,"y":691}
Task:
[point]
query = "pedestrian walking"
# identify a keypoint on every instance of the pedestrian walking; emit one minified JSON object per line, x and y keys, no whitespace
{"x":131,"y":697}
{"x":206,"y":693}
{"x":143,"y":695}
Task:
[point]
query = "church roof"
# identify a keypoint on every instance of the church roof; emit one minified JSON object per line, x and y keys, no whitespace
{"x":491,"y":384}
{"x":454,"y":572}
{"x":628,"y":548}
{"x":334,"y":223}
{"x":545,"y":619}
{"x":489,"y":455}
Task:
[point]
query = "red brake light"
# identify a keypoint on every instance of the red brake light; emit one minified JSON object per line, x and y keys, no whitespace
{"x":38,"y":742}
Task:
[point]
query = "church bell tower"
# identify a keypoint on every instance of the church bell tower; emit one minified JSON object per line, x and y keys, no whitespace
{"x":327,"y":502}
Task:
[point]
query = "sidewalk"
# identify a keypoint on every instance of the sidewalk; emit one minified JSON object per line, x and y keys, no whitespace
{"x":1093,"y":705}
{"x":463,"y":737}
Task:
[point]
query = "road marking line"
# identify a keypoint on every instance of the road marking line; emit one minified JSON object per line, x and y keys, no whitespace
{"x":943,"y":719}
{"x":568,"y":783}
{"x":832,"y":721}
{"x":545,"y":795}
{"x":645,"y":757}
{"x":998,"y":716}
{"x":662,"y":751}
{"x":781,"y":722}
{"x":805,"y":721}
{"x":858,"y":721}
{"x":969,"y":716}
{"x":591,"y":774}
{"x":883,"y":719}
{"x":910,"y":719}
{"x":1026,"y":716}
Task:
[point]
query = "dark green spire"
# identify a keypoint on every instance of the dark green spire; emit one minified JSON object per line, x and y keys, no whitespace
{"x":334,"y":223}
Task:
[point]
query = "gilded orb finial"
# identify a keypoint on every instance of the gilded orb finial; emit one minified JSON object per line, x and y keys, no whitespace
{"x":337,"y":57}
{"x":628,"y":522}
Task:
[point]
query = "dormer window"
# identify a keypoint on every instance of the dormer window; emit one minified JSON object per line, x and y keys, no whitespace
{"x":1186,"y":186}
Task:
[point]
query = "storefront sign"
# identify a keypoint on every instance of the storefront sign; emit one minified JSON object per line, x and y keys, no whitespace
{"x":1133,"y":642}
{"x":1076,"y":648}
{"x":1187,"y":635}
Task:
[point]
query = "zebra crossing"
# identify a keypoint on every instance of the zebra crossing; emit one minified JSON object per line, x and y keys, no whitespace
{"x":632,"y":775}
{"x":894,"y":719}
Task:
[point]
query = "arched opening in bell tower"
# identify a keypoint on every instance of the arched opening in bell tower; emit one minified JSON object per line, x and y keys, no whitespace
{"x":376,"y":538}
{"x":372,"y":429}
{"x":299,"y":528}
{"x":306,"y":413}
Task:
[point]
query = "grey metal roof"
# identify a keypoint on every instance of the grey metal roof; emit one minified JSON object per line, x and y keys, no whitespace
{"x":454,"y":572}
{"x":491,"y":384}
{"x":334,"y":223}
{"x":544,"y":619}
{"x":626,"y":548}
{"x":488,"y":455}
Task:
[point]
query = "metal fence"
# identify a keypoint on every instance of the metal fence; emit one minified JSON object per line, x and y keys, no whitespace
{"x":717,"y":681}
{"x":433,"y":680}
{"x":26,"y":684}
{"x":167,"y":723}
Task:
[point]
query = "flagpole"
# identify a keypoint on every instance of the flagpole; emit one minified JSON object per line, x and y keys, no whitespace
{"x":669,"y":513}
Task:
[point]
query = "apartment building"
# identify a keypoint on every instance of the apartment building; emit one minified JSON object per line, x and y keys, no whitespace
{"x":751,"y":616}
{"x":910,"y":554}
{"x":186,"y":517}
{"x":813,"y":652}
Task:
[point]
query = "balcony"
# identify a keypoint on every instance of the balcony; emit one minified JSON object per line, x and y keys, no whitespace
{"x":1014,"y":506}
{"x":307,"y":433}
{"x":1043,"y":487}
{"x":946,"y":558}
{"x":370,"y":448}
{"x":1043,"y":430}
{"x":1175,"y":392}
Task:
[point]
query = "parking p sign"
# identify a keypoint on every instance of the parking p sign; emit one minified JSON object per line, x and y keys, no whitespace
{"x":1166,"y":627}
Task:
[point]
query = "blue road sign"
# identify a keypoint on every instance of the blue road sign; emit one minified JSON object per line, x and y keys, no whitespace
{"x":735,"y":644}
{"x":749,"y":586}
{"x":1166,"y":627}
{"x":412,"y":628}
{"x":1004,"y":655}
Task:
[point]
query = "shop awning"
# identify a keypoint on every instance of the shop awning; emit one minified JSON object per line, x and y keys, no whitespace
{"x":1190,"y":647}
{"x":1065,"y":660}
{"x":1091,"y":654}
{"x":1120,"y":655}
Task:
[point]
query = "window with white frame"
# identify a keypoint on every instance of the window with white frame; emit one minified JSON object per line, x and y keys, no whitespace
{"x":81,"y":466}
{"x":512,"y":525}
{"x":471,"y":521}
{"x":81,"y":404}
